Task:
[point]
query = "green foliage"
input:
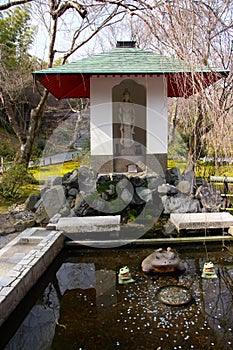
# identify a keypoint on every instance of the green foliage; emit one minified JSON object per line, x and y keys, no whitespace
{"x":207,"y":169}
{"x":37,"y":149}
{"x":7,"y":151}
{"x":105,"y":186}
{"x":16,"y":36}
{"x":178,"y":150}
{"x":87,"y":144}
{"x":13,"y":179}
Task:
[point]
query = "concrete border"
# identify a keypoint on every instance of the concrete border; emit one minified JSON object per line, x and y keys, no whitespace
{"x":28,"y":267}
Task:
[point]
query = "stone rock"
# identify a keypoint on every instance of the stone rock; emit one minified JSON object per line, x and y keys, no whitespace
{"x":103,"y":179}
{"x":167,"y":189}
{"x":78,"y":200}
{"x":50,"y":204}
{"x":43,"y":190}
{"x":157,"y":202}
{"x":98,"y":205}
{"x":126,"y":196}
{"x":86,"y":172}
{"x":173,"y":176}
{"x":70,"y":201}
{"x":144,"y":193}
{"x":184,"y":187}
{"x":9,"y":230}
{"x":189,"y":176}
{"x":81,"y":210}
{"x":104,"y":196}
{"x":138,"y":181}
{"x":53,"y":181}
{"x":72,"y":180}
{"x":57,"y":181}
{"x":180,"y":204}
{"x":22,"y":219}
{"x":123,"y":183}
{"x":55,"y":219}
{"x":155,"y":182}
{"x":118,"y":177}
{"x":210,"y":199}
{"x":141,"y":166}
{"x":79,"y":275}
{"x":66,"y":177}
{"x":200,"y":182}
{"x":73,"y":192}
{"x":112,"y":190}
{"x":31,"y":202}
{"x":87,"y":180}
{"x":65,"y":211}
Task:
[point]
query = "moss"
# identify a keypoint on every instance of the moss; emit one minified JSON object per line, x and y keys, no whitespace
{"x":43,"y":172}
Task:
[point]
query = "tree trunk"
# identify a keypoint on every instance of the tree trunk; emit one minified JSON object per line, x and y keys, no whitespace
{"x":37,"y":115}
{"x":173,"y":120}
{"x":195,"y":141}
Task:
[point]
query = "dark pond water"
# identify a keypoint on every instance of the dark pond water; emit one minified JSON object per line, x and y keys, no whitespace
{"x":83,"y":307}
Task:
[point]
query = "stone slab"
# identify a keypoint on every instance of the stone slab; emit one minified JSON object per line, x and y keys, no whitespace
{"x":19,"y":269}
{"x":197,"y":221}
{"x":89,"y":224}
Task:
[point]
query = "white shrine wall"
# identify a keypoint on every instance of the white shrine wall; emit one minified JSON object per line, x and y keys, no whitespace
{"x":101,"y":113}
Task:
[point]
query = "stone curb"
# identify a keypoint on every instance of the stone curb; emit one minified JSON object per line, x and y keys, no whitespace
{"x":28,"y":267}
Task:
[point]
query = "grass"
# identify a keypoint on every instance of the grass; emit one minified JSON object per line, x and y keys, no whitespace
{"x":42,"y":173}
{"x":26,"y":190}
{"x":204,"y":170}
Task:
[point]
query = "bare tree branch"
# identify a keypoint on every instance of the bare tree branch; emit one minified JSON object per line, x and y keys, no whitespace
{"x":10,"y":4}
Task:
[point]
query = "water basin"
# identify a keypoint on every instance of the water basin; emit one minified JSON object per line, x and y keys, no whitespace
{"x":84,"y":308}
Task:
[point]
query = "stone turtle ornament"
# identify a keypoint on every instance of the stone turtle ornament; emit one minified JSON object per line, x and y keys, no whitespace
{"x":163,"y":261}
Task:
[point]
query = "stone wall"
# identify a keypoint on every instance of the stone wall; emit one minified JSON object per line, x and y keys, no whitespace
{"x":84,"y":193}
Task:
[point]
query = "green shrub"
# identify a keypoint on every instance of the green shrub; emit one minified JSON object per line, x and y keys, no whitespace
{"x":7,"y":151}
{"x":13,"y":179}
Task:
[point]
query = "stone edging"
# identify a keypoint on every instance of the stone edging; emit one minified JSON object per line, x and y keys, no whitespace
{"x":40,"y":246}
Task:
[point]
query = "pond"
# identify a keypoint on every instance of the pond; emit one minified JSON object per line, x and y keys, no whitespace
{"x":83,"y":307}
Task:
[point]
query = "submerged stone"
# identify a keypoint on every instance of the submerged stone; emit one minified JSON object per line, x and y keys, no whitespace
{"x":174,"y":295}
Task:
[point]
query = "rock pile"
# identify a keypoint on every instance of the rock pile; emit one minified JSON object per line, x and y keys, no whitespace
{"x":84,"y":193}
{"x":182,"y":194}
{"x":17,"y":219}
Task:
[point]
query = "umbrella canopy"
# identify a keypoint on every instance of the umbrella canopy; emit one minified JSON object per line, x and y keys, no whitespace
{"x":73,"y":80}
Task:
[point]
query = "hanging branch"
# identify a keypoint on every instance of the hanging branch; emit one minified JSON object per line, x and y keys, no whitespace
{"x":13,"y":3}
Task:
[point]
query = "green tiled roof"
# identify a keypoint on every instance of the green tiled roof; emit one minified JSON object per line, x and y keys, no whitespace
{"x":127,"y":61}
{"x":74,"y":79}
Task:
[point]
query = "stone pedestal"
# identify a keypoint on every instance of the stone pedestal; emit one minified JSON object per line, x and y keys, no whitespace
{"x":151,"y":163}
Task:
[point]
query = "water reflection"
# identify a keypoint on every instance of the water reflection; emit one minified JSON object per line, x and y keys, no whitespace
{"x":85,"y":308}
{"x":38,"y":329}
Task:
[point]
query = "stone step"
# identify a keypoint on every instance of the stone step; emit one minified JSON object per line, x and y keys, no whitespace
{"x":89,"y":224}
{"x":197,"y":221}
